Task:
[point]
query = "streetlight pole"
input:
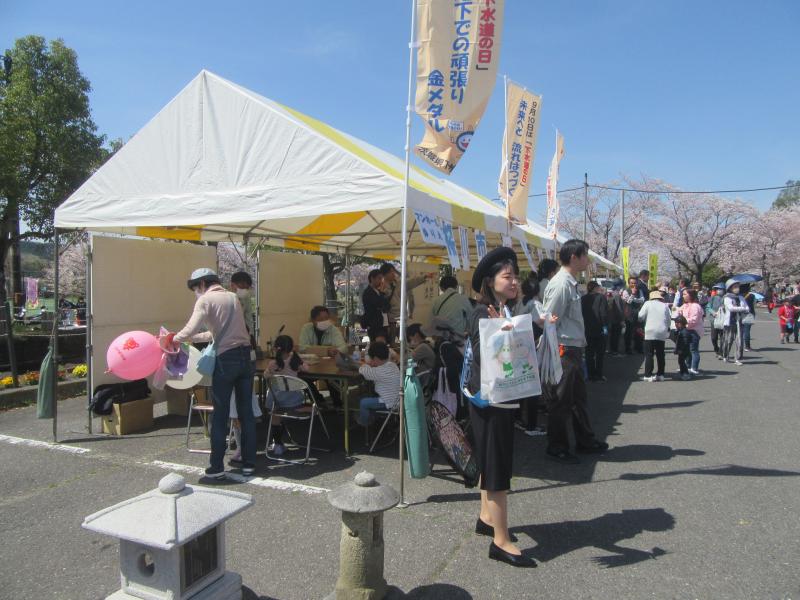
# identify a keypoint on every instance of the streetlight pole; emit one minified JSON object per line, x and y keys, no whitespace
{"x":585,"y":202}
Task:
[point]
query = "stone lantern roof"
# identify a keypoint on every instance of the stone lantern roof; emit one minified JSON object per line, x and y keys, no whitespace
{"x":169,"y":516}
{"x":363,"y":495}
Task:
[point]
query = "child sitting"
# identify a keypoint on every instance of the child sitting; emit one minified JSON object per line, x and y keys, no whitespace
{"x":381,"y":337}
{"x":386,"y":377}
{"x":683,"y":339}
{"x":286,"y":362}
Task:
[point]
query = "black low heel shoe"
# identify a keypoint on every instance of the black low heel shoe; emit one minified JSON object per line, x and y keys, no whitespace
{"x":482,"y":528}
{"x":497,"y":553}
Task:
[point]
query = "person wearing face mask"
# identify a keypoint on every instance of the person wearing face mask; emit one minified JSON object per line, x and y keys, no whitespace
{"x":242,"y":286}
{"x":321,"y":331}
{"x":219,"y":312}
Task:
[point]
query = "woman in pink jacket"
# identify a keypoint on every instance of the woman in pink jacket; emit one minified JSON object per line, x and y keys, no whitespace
{"x":694,"y":315}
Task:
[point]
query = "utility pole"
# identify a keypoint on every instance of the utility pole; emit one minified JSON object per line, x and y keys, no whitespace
{"x":585,"y":202}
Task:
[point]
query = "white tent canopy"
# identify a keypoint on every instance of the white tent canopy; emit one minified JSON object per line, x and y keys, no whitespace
{"x":222,"y":163}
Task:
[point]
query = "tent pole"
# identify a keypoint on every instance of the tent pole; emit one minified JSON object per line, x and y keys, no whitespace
{"x":56,"y":319}
{"x":89,"y":322}
{"x":404,"y":247}
{"x":257,"y":325}
{"x":348,"y":313}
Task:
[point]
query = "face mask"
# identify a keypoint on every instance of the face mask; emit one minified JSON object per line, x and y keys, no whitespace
{"x":243,"y":294}
{"x":323,"y":325}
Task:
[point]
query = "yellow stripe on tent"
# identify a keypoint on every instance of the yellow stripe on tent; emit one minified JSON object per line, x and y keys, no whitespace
{"x":171,"y":233}
{"x":325,"y":224}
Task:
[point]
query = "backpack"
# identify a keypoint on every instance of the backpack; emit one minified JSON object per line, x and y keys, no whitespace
{"x":108,"y":394}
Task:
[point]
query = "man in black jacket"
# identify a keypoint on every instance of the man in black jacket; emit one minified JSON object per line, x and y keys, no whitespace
{"x":376,"y":306}
{"x":594,"y":307}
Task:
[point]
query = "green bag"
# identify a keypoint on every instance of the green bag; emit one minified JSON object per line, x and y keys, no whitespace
{"x":416,"y":425}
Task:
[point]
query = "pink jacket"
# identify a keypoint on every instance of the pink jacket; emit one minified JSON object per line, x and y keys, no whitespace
{"x":694,"y":315}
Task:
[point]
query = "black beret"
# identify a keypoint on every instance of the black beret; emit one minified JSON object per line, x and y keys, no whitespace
{"x":497,"y":255}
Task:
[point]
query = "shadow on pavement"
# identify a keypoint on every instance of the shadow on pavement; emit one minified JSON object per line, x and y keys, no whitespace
{"x":635,"y":408}
{"x":725,"y":470}
{"x":604,"y":533}
{"x":636,"y":452}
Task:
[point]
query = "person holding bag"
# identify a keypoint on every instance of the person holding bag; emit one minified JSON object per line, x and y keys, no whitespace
{"x":496,"y":279}
{"x":220,"y":313}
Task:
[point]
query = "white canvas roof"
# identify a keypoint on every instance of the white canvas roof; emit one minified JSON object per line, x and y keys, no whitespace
{"x":222,"y":163}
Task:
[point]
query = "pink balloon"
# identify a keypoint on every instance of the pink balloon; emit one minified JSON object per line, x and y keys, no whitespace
{"x":134,"y":355}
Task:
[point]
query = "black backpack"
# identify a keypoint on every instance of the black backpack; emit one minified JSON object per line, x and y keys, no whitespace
{"x":108,"y":394}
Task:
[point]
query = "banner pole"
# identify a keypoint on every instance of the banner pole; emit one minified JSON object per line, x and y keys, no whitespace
{"x":404,"y":247}
{"x":585,"y":202}
{"x":505,"y":150}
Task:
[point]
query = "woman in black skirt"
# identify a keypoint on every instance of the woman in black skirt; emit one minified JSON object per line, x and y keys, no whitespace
{"x":496,"y":279}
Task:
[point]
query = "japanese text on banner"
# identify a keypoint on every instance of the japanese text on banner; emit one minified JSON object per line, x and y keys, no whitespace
{"x":519,"y":150}
{"x":480,"y":243}
{"x":626,"y":255}
{"x":450,"y":243}
{"x":430,"y":228}
{"x":463,"y":234}
{"x":552,"y":187}
{"x":653,"y":268}
{"x":456,"y":69}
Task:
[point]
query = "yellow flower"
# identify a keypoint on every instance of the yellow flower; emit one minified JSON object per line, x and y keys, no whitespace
{"x":80,"y":371}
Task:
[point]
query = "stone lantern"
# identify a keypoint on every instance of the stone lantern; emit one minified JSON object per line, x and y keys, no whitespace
{"x":172,"y":541}
{"x":362,"y":503}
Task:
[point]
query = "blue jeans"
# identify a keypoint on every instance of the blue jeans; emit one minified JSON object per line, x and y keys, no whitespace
{"x":233,"y":370}
{"x":365,"y":406}
{"x":746,"y":334}
{"x":694,"y":348}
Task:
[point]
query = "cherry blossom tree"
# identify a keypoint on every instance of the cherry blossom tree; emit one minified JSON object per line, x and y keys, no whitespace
{"x":772,"y":244}
{"x":71,"y":267}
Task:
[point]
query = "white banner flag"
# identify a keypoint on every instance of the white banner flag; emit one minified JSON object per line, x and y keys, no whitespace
{"x":552,"y":186}
{"x":450,"y":243}
{"x":507,"y":241}
{"x":464,"y":235}
{"x":430,"y":228}
{"x":527,"y":252}
{"x":480,"y":243}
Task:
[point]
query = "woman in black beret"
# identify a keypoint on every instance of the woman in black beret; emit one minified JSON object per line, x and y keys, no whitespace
{"x":496,"y":279}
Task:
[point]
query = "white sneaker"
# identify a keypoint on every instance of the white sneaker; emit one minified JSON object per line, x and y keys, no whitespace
{"x":649,"y":379}
{"x":694,"y":371}
{"x":277,"y":449}
{"x":738,"y":363}
{"x":535,"y":432}
{"x":659,"y":378}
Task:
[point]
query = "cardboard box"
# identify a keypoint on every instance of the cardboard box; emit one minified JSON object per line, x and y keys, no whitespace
{"x":177,"y":401}
{"x":129,"y":417}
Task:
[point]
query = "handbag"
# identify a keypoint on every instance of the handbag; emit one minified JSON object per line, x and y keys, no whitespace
{"x":719,"y":319}
{"x":443,"y":395}
{"x":208,"y":357}
{"x":509,"y":366}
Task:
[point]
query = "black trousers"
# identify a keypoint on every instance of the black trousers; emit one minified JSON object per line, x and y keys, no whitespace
{"x":716,"y":339}
{"x":528,"y":412}
{"x":615,"y":332}
{"x":652,"y":347}
{"x":683,"y":362}
{"x":595,"y":352}
{"x":631,"y":341}
{"x":567,"y":401}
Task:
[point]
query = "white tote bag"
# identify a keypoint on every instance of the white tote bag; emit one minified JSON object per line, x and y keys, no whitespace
{"x":443,"y":395}
{"x":509,"y":367}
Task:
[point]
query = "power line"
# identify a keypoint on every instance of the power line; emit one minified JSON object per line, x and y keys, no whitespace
{"x":764,"y":189}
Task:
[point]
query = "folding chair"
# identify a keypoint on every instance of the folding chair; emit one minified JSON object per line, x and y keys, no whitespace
{"x":204,"y":409}
{"x":289,"y":388}
{"x":395,"y":411}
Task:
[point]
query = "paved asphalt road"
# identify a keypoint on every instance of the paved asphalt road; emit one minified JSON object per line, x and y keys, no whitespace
{"x":699,"y":497}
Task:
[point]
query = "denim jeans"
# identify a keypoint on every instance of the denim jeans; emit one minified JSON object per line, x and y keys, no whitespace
{"x":746,"y":334}
{"x":694,"y":348}
{"x":365,"y":406}
{"x":233,"y":370}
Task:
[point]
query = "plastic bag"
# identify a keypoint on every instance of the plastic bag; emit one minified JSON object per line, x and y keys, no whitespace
{"x":509,"y":366}
{"x":550,"y":369}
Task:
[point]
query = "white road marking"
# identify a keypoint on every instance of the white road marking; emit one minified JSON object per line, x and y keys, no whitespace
{"x":275,"y":484}
{"x":10,"y":439}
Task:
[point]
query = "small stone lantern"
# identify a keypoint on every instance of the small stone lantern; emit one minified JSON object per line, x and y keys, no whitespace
{"x":172,"y":541}
{"x":362,"y":503}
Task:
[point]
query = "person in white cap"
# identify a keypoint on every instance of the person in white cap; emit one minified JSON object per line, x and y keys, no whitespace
{"x":220,"y":313}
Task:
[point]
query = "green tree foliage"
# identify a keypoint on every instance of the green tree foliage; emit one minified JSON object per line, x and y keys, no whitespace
{"x":48,"y":141}
{"x":789,"y":196}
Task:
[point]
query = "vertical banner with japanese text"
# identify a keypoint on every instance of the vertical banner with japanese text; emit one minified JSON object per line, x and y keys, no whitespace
{"x":653,"y":268}
{"x":459,"y":50}
{"x":480,"y":244}
{"x":463,"y":234}
{"x":519,"y":150}
{"x":552,"y":186}
{"x":626,"y":255}
{"x":450,"y":243}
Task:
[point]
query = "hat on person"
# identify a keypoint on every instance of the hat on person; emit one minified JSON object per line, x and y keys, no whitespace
{"x":485,"y":265}
{"x":718,"y":286}
{"x":656,"y":295}
{"x":202,"y":274}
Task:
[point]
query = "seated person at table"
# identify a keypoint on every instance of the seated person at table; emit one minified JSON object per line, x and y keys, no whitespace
{"x":381,"y":336}
{"x":422,"y":353}
{"x":386,"y":377}
{"x":322,"y":332}
{"x":286,"y":362}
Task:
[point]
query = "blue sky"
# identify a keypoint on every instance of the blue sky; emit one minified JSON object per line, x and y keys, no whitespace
{"x":704,"y":95}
